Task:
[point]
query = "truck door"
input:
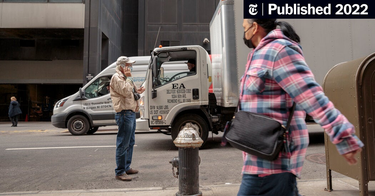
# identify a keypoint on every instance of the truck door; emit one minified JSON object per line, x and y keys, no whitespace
{"x":175,"y":87}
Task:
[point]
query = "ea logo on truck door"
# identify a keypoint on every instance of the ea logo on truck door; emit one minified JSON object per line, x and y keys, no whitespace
{"x":177,"y":86}
{"x":253,"y":9}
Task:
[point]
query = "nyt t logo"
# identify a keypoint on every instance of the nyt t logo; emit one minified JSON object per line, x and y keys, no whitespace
{"x":253,"y":9}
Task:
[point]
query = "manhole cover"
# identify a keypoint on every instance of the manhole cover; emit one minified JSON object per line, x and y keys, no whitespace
{"x":319,"y":158}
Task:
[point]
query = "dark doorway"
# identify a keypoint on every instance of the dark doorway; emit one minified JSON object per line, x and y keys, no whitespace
{"x":37,"y":100}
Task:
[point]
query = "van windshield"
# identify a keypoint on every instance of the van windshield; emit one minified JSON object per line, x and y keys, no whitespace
{"x":98,"y":88}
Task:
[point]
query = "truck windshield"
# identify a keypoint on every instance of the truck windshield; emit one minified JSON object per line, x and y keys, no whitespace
{"x":171,"y":71}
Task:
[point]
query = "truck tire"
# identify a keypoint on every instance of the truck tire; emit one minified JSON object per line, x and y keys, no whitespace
{"x":78,"y":125}
{"x":194,"y":119}
{"x":92,"y":130}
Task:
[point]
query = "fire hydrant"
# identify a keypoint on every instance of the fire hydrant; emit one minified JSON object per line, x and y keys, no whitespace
{"x":187,"y":163}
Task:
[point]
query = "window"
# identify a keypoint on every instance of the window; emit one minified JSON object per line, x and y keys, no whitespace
{"x":198,"y":11}
{"x":172,"y":71}
{"x":98,"y":88}
{"x":70,"y":43}
{"x":170,"y":66}
{"x":27,"y":43}
{"x":161,"y":11}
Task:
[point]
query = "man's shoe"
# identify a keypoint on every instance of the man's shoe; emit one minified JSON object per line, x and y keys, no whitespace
{"x":132,"y":171}
{"x":124,"y":177}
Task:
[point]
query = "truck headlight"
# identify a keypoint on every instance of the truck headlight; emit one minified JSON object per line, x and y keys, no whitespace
{"x":61,"y":103}
{"x":141,"y":102}
{"x":141,"y":106}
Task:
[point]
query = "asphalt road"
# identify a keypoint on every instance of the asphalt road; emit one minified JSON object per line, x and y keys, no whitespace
{"x":36,"y":156}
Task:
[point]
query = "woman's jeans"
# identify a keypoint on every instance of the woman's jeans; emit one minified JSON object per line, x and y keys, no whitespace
{"x":125,"y":140}
{"x":283,"y":184}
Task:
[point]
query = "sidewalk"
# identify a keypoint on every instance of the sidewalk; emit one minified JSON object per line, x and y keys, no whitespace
{"x":341,"y":187}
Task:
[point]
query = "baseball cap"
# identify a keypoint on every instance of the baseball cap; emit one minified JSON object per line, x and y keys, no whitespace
{"x":123,"y":60}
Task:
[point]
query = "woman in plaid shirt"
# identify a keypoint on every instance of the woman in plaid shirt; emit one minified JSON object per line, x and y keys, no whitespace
{"x":277,"y":75}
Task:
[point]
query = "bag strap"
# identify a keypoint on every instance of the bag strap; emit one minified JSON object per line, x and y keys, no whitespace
{"x":291,"y":112}
{"x":132,"y":82}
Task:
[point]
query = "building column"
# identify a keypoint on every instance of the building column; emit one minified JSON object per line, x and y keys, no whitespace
{"x":92,"y":40}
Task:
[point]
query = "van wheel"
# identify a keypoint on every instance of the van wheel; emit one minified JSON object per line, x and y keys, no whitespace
{"x":78,"y":125}
{"x":193,"y":119}
{"x":92,"y":130}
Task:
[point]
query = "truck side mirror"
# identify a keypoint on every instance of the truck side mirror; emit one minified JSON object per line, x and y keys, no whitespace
{"x":154,"y":93}
{"x":81,"y":95}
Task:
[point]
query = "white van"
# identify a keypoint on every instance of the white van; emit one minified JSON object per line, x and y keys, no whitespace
{"x":91,"y":107}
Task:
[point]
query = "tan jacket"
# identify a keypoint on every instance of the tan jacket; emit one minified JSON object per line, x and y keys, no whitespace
{"x":122,"y":93}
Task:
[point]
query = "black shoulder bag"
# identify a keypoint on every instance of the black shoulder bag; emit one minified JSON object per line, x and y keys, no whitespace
{"x":137,"y":96}
{"x":258,"y":134}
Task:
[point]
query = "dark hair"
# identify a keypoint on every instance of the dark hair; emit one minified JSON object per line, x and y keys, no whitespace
{"x":192,"y":61}
{"x":270,"y":24}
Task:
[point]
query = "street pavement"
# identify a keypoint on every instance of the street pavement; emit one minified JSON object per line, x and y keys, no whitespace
{"x":312,"y":187}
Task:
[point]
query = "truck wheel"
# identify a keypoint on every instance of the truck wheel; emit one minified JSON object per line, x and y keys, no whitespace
{"x":78,"y":125}
{"x":92,"y":130}
{"x":194,"y":119}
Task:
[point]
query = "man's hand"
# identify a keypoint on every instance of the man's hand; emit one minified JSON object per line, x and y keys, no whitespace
{"x":127,"y":71}
{"x":141,"y":90}
{"x":350,"y":156}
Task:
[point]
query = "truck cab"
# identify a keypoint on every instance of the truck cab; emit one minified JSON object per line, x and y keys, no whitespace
{"x":174,"y":98}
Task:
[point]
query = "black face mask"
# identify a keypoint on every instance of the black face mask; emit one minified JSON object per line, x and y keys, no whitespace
{"x":248,"y":42}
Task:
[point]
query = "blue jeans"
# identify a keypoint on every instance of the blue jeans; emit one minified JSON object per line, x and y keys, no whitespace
{"x":125,"y":140}
{"x":283,"y":184}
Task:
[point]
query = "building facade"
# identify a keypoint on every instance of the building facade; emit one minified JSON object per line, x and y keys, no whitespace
{"x":50,"y":48}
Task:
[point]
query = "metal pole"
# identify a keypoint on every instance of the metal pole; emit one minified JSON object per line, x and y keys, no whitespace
{"x":189,"y":171}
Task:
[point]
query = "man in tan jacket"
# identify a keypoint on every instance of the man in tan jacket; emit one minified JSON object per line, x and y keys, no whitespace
{"x":125,"y":106}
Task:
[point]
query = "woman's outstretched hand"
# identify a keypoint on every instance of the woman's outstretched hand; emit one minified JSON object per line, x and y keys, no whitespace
{"x":350,"y":156}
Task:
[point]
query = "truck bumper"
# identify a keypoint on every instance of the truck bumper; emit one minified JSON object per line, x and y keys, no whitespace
{"x":142,"y":125}
{"x":58,"y":120}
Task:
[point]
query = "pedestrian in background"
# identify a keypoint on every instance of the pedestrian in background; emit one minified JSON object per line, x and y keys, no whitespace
{"x":277,"y":75}
{"x":122,"y":88}
{"x":14,"y":111}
